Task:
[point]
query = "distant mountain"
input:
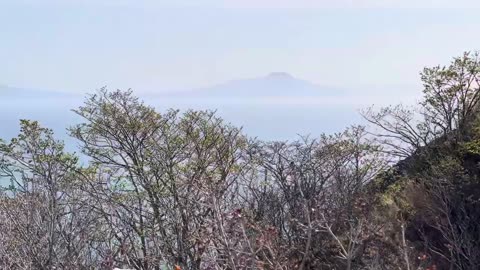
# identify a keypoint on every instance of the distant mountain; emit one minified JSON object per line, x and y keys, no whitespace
{"x":273,"y":107}
{"x":276,"y":84}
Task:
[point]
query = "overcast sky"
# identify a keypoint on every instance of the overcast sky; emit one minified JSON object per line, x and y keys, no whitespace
{"x":162,"y":45}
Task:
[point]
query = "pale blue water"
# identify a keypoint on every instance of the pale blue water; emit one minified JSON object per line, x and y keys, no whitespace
{"x":264,"y":121}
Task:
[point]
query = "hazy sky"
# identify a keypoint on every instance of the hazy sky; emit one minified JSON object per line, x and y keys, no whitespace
{"x":161,"y":45}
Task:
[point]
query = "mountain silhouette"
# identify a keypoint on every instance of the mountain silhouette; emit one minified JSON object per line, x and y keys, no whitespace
{"x":275,"y":84}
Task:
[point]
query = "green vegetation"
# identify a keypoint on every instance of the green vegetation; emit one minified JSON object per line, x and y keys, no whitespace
{"x":188,"y":191}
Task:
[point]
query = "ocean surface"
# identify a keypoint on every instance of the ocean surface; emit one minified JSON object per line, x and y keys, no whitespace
{"x":266,"y":121}
{"x":277,"y":120}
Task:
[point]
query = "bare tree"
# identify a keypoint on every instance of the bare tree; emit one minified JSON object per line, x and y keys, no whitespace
{"x":44,"y":219}
{"x":164,"y":175}
{"x":450,"y":104}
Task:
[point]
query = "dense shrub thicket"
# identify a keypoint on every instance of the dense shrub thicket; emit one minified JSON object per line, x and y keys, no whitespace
{"x":188,"y":191}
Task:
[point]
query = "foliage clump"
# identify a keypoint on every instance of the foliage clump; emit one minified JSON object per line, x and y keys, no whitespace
{"x":185,"y":190}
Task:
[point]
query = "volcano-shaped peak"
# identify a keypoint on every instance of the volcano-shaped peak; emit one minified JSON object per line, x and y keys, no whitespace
{"x":280,"y":75}
{"x":275,"y":84}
